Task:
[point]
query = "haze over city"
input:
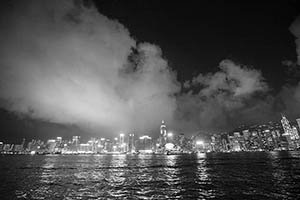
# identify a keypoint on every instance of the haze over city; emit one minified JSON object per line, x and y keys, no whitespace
{"x":78,"y":68}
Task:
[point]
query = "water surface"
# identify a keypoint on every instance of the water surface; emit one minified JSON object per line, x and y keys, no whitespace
{"x":247,"y":175}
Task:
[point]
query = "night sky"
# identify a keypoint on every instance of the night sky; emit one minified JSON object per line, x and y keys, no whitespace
{"x":104,"y":67}
{"x":196,"y":36}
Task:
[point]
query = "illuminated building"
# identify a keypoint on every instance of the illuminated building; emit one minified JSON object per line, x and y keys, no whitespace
{"x":122,"y":138}
{"x":170,"y":138}
{"x":163,"y":133}
{"x":75,"y":140}
{"x":131,"y":146}
{"x":288,"y":131}
{"x":199,"y":145}
{"x":85,"y":148}
{"x":295,"y":133}
{"x":59,"y":140}
{"x":122,"y":145}
{"x":51,"y":144}
{"x":145,"y":144}
{"x":92,"y":143}
{"x":7,"y":147}
{"x":296,"y":137}
{"x":108,"y":145}
{"x":101,"y":145}
{"x":286,"y":126}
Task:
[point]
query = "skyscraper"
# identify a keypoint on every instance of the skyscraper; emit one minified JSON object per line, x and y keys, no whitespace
{"x":122,"y":145}
{"x":131,"y":146}
{"x":163,"y":133}
{"x":286,"y":126}
{"x":295,"y":133}
{"x":145,"y":144}
{"x":288,"y":131}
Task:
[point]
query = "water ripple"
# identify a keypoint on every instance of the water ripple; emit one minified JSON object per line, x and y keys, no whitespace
{"x":249,"y":175}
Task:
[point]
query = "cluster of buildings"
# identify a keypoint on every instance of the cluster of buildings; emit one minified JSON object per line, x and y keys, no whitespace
{"x":266,"y":137}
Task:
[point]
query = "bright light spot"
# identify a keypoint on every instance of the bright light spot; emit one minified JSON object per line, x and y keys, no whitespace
{"x":102,"y":139}
{"x":145,"y":137}
{"x":116,"y":138}
{"x":169,"y":146}
{"x":146,"y":151}
{"x":123,"y":145}
{"x":170,"y":134}
{"x":122,"y":135}
{"x":199,"y":142}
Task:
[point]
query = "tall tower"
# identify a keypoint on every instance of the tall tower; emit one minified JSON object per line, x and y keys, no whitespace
{"x":163,"y":133}
{"x":131,"y":146}
{"x":288,"y":131}
{"x":295,"y":133}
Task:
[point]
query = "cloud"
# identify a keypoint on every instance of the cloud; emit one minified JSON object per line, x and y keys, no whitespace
{"x":64,"y":62}
{"x":227,"y":98}
{"x":67,"y":63}
{"x":231,"y":78}
{"x":295,"y":30}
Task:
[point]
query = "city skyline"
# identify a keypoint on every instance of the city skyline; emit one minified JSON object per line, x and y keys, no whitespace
{"x":149,"y":99}
{"x":260,"y":137}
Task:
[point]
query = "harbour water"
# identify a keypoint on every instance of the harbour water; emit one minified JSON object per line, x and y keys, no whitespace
{"x":241,"y":175}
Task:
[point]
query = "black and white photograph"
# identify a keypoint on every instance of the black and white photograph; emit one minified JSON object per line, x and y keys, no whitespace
{"x":149,"y":99}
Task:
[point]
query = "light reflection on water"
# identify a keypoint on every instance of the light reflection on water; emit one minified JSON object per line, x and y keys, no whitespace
{"x":252,"y":175}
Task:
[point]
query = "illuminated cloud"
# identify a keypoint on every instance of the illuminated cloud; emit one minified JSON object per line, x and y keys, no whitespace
{"x":225,"y":99}
{"x":67,"y":63}
{"x":63,"y":62}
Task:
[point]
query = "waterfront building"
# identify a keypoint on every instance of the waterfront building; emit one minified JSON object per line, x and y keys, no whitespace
{"x":288,"y":132}
{"x":75,"y":140}
{"x":122,"y":144}
{"x":145,"y":144}
{"x":295,"y":135}
{"x":286,"y":126}
{"x":51,"y":144}
{"x":131,"y":140}
{"x":163,"y":133}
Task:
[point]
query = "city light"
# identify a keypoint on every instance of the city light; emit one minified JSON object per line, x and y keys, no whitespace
{"x":123,"y":145}
{"x":145,"y":137}
{"x":169,"y":146}
{"x":199,"y":142}
{"x":255,"y":138}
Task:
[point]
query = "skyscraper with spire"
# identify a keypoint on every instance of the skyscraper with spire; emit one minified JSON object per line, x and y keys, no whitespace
{"x":163,"y":133}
